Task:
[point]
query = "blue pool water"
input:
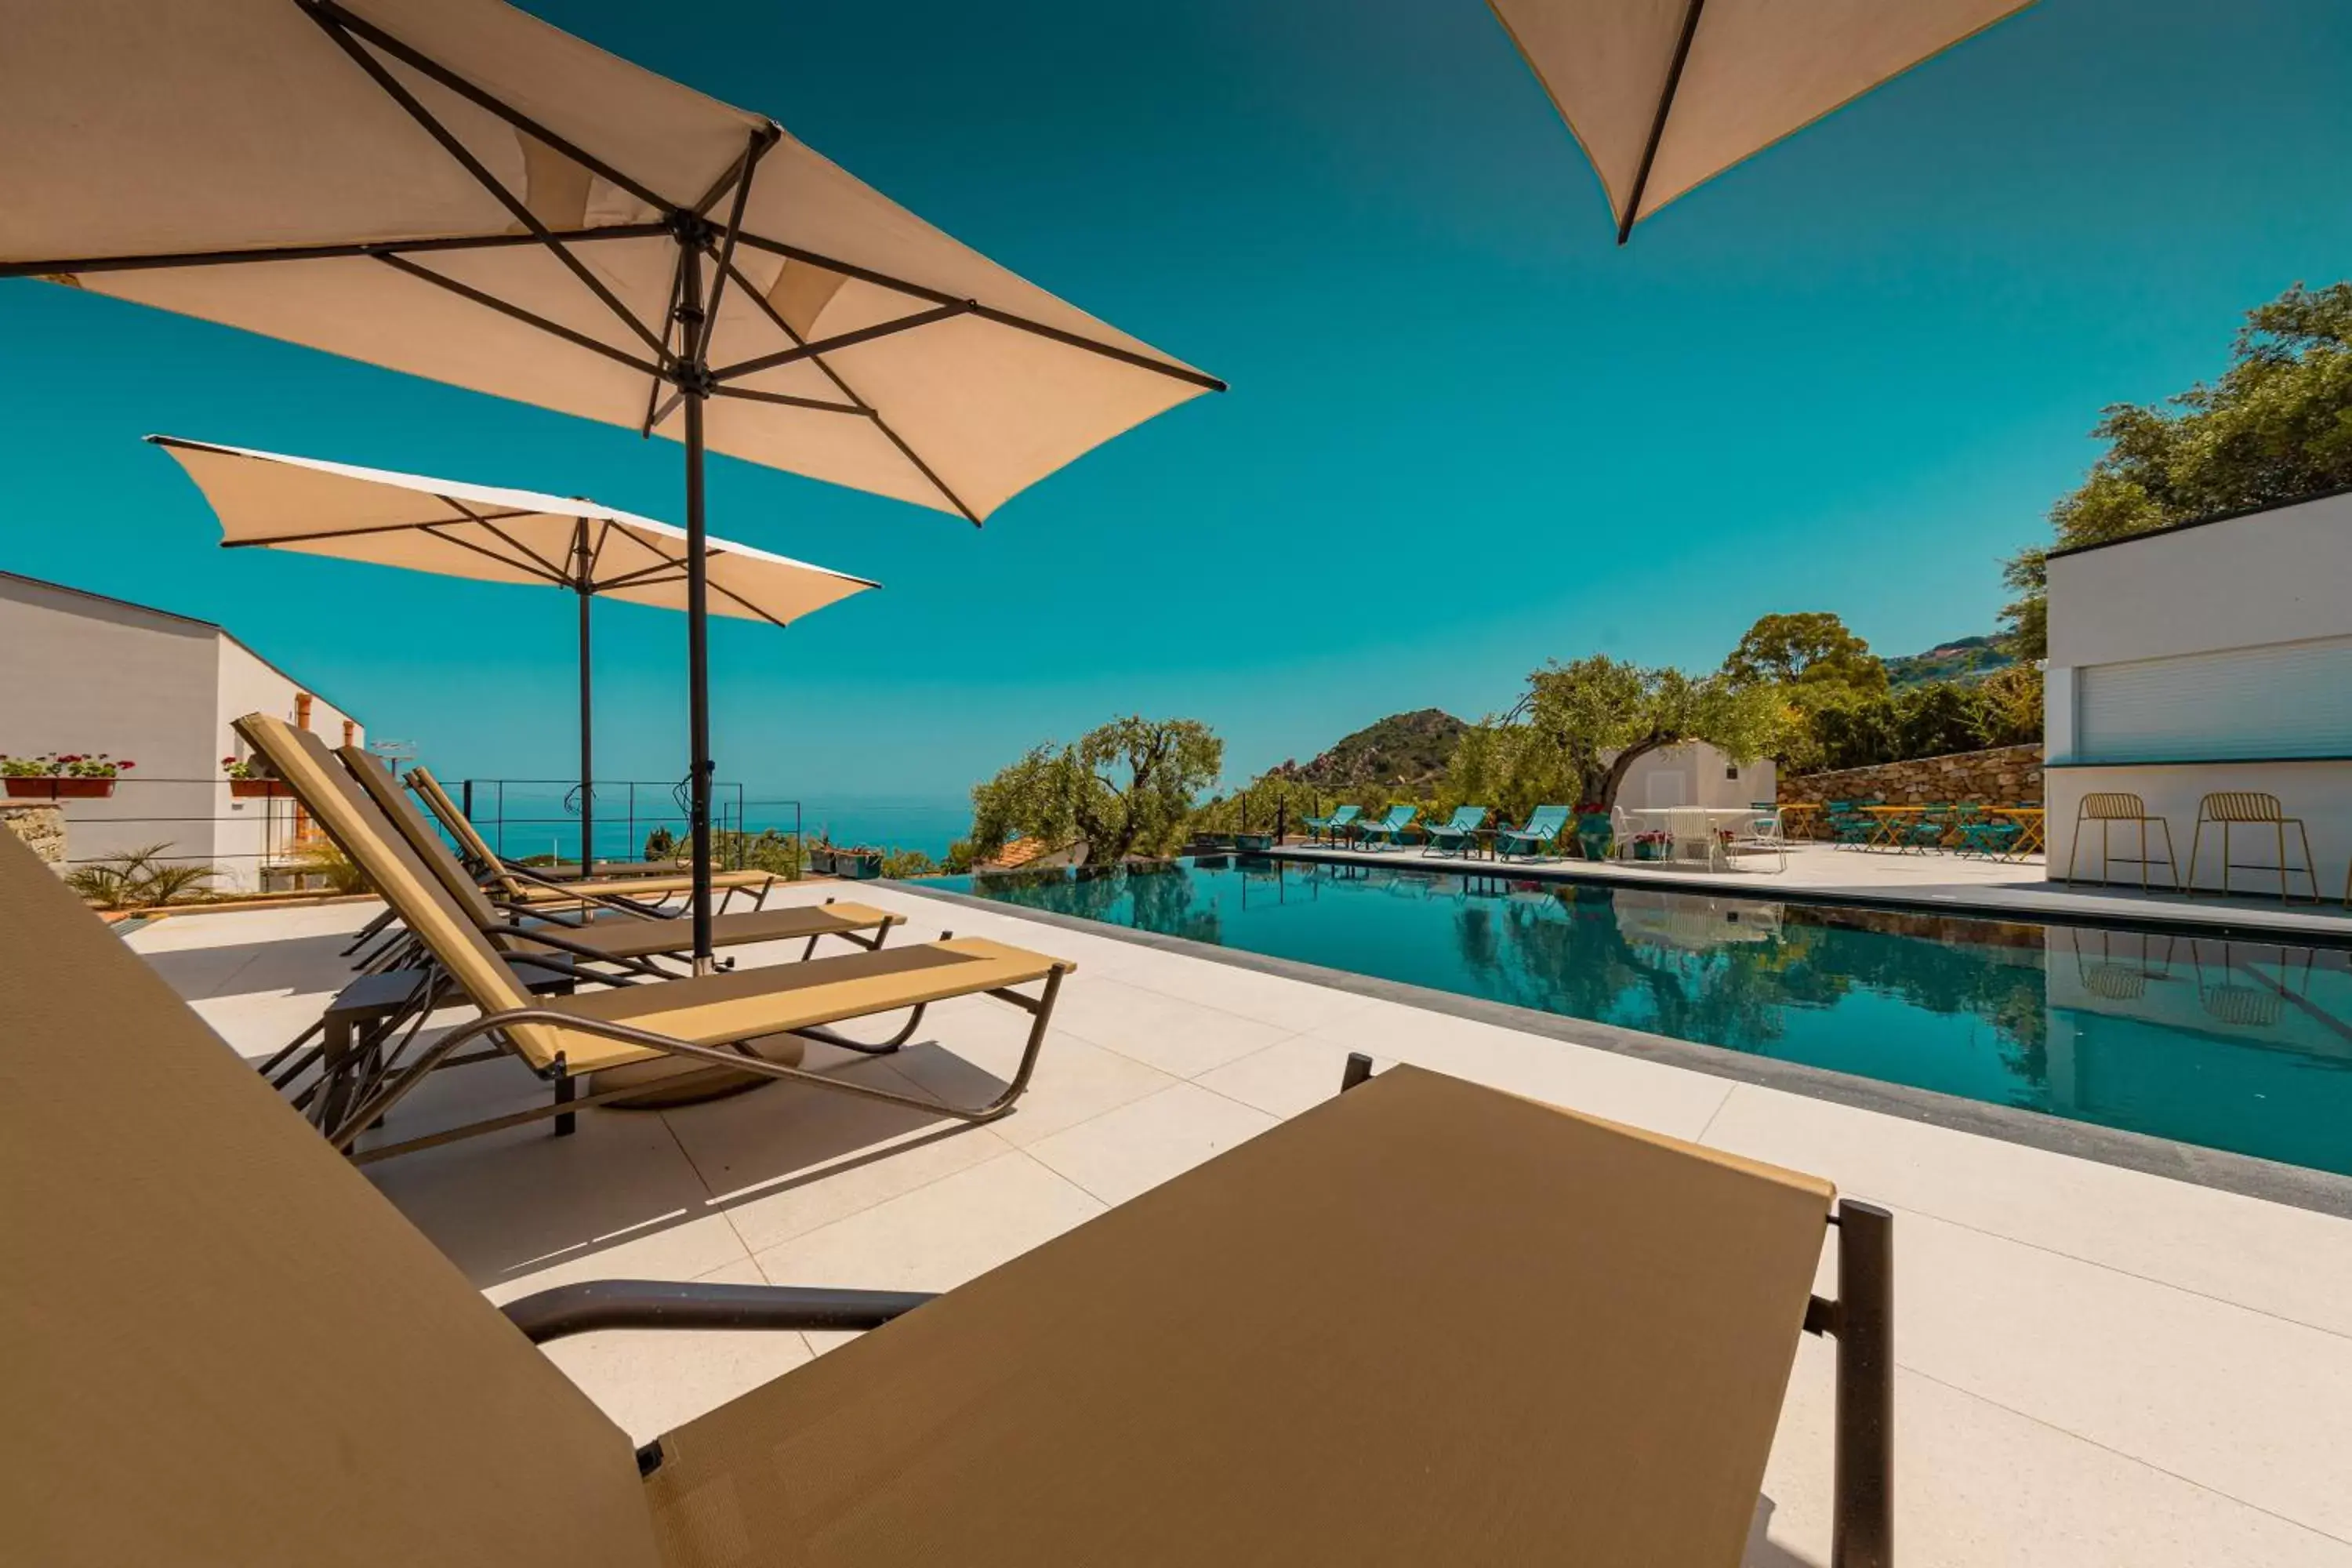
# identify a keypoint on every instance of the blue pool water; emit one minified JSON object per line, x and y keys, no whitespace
{"x":2228,"y":1044}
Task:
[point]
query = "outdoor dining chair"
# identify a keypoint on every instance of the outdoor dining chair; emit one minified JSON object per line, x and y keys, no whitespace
{"x":235,"y":1350}
{"x":2250,"y":808}
{"x":2108,"y":807}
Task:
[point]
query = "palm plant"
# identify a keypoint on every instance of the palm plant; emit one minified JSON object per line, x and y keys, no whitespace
{"x":137,"y":879}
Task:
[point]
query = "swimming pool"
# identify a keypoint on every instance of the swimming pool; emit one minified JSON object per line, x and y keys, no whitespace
{"x":2228,"y":1044}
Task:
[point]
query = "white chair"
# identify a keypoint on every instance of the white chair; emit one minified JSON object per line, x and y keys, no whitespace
{"x":1691,"y":828}
{"x":1764,"y":836}
{"x":1622,"y":830}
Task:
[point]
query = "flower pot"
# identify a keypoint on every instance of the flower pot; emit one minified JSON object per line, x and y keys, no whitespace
{"x":47,"y":788}
{"x":258,"y":789}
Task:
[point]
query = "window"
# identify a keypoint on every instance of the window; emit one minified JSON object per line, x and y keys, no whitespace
{"x":2287,"y":700}
{"x":1731,"y":770}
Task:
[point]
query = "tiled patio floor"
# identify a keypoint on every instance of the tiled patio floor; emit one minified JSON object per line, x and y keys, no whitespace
{"x":2096,"y":1366}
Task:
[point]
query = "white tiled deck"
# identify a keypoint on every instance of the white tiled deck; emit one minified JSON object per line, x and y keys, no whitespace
{"x":2094,"y":1366}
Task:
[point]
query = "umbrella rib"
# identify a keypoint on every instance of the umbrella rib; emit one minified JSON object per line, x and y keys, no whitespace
{"x":474,"y":166}
{"x":715,"y":587}
{"x":637,"y":578}
{"x":656,"y":410}
{"x":324,"y":11}
{"x":748,"y":168}
{"x":986,"y":312}
{"x":372,"y":247}
{"x":787,"y":400}
{"x":871,"y":413}
{"x":1658,"y":125}
{"x":529,"y":319}
{"x":439,"y":531}
{"x":349,"y":533}
{"x":844,"y":340}
{"x":470,"y":515}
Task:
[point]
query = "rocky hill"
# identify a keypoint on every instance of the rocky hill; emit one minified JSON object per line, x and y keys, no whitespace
{"x":1402,"y":749}
{"x":1967,"y":658}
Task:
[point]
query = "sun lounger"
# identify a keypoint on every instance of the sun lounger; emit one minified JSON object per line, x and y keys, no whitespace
{"x":625,"y":936}
{"x":525,"y":884}
{"x":1536,"y":836}
{"x":1454,"y":836}
{"x":1390,"y":829}
{"x":1331,"y":828}
{"x":658,"y":1040}
{"x":1423,"y":1323}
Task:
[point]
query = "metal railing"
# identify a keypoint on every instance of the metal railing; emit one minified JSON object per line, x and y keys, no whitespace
{"x":512,"y":812}
{"x":107,"y":819}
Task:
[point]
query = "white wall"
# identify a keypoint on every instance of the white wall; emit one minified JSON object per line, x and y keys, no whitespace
{"x":83,"y":674}
{"x":258,"y":832}
{"x":2256,"y":582}
{"x":1696,"y":774}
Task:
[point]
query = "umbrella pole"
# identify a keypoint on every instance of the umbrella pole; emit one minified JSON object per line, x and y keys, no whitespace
{"x":587,"y":734}
{"x":693,"y":381}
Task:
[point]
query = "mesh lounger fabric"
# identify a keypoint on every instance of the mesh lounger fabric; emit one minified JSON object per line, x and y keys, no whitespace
{"x":1423,"y":1324}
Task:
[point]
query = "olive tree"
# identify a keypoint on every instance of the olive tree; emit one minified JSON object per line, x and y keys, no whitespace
{"x":1125,"y":787}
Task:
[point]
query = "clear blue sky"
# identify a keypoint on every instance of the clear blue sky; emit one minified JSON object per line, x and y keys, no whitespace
{"x":1466,"y":431}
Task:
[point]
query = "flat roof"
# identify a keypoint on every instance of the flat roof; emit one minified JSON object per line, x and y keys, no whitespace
{"x":2202,"y":522}
{"x":196,"y":621}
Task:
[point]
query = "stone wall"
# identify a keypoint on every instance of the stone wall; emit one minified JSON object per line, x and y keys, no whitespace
{"x":2007,"y":775}
{"x":41,"y":825}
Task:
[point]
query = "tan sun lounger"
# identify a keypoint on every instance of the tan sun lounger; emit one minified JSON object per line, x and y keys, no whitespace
{"x":523,"y":885}
{"x":670,"y":1037}
{"x":625,"y":936}
{"x":1423,"y":1324}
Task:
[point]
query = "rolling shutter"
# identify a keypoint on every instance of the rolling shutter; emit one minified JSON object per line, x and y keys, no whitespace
{"x":2290,"y":700}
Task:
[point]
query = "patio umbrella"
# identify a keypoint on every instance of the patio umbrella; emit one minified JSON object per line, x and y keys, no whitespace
{"x":1666,"y":94}
{"x":458,"y":190}
{"x":270,"y":500}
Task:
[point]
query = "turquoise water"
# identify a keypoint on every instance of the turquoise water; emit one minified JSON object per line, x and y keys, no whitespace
{"x":2232,"y":1045}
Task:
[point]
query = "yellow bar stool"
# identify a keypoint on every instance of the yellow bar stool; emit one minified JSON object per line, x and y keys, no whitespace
{"x":2106,"y":809}
{"x":2239,"y":808}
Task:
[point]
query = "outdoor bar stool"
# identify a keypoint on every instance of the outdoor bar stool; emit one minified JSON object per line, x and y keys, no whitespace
{"x":2232,"y":808}
{"x":2106,"y":809}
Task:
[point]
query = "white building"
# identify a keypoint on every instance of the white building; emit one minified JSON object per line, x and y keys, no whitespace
{"x":2213,"y":655}
{"x":1697,"y":773}
{"x":83,"y":673}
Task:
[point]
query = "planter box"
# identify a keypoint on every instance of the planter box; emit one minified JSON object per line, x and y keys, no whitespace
{"x":60,"y":789}
{"x":258,"y":789}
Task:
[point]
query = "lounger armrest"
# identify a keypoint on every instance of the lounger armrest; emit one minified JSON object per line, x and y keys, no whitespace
{"x":600,"y":1304}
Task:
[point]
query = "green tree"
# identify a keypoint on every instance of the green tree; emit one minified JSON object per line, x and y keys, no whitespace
{"x":1580,"y":728}
{"x":1125,"y":787}
{"x":1812,"y":648}
{"x":2275,"y":428}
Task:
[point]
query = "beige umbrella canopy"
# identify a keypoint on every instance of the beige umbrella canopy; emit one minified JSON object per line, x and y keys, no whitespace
{"x":1666,"y":94}
{"x":454,"y":189}
{"x":270,"y":500}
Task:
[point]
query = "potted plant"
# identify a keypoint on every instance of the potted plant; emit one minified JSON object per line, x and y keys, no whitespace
{"x":1595,"y":830}
{"x":251,"y":780}
{"x":1653,"y":846}
{"x":63,"y":775}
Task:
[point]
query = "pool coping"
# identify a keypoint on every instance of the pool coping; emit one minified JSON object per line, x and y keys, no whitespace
{"x":2308,"y":925}
{"x":2247,"y":1175}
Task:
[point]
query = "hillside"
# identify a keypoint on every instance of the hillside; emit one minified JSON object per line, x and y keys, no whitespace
{"x":1967,"y":658}
{"x":1402,"y":749}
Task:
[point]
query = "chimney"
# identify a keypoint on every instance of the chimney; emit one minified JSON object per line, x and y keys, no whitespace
{"x":349,"y":731}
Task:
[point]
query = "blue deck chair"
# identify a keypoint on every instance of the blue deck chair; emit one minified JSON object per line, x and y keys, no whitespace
{"x":1391,"y":828}
{"x":1541,"y":830}
{"x":1329,"y":828}
{"x":1454,"y":837}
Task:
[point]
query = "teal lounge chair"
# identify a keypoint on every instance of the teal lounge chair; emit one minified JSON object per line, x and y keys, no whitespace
{"x":1330,"y":828}
{"x":1540,"y":833}
{"x":1454,"y":837}
{"x":1391,"y":828}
